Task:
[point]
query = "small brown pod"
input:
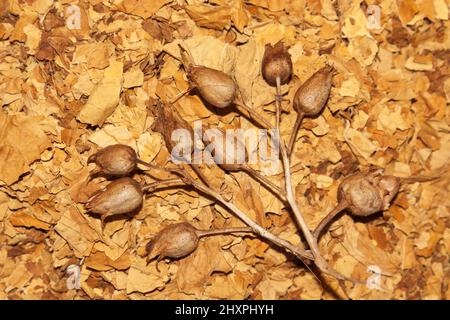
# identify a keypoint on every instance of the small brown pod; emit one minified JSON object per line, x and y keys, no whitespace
{"x":180,"y":239}
{"x":276,"y":63}
{"x":366,"y":194}
{"x":362,"y":196}
{"x":174,"y":241}
{"x":121,"y":196}
{"x":310,"y":99}
{"x":116,"y":160}
{"x":215,"y":87}
{"x":313,"y":94}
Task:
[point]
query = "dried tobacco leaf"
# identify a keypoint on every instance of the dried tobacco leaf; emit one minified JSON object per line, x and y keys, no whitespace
{"x":22,"y":140}
{"x":167,"y":122}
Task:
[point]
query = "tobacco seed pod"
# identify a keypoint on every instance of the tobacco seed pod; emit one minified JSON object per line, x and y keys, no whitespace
{"x":121,"y":196}
{"x":312,"y":95}
{"x":116,"y":160}
{"x":214,"y":86}
{"x":276,"y":63}
{"x":174,"y":241}
{"x":368,"y":193}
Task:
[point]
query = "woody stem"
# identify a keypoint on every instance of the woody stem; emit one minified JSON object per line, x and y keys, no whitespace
{"x":327,"y":219}
{"x":206,"y":233}
{"x":258,"y":176}
{"x":298,"y":122}
{"x":253,"y":115}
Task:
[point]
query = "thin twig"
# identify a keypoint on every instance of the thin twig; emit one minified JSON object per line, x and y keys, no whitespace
{"x":167,"y":183}
{"x":179,"y":96}
{"x":258,"y":176}
{"x":201,"y":175}
{"x":297,"y":125}
{"x":153,"y":167}
{"x":207,"y":233}
{"x":256,"y":227}
{"x":327,"y":219}
{"x":253,"y":115}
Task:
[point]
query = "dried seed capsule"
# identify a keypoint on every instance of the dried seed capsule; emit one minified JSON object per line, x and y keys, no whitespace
{"x":368,"y":193}
{"x":121,"y":196}
{"x":214,"y":86}
{"x":312,"y":95}
{"x":276,"y":63}
{"x":179,"y":240}
{"x":117,"y":160}
{"x":174,"y":241}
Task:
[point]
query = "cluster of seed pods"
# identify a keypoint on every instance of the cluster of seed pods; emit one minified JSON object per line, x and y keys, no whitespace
{"x":361,"y":194}
{"x":123,"y":195}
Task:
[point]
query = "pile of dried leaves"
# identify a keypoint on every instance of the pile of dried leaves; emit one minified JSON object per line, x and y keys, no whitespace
{"x":65,"y":92}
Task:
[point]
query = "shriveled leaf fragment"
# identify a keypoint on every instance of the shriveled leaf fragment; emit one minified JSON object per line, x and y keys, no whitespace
{"x":77,"y":232}
{"x":196,"y":269}
{"x":149,"y":146}
{"x":359,"y":142}
{"x":208,"y":16}
{"x":350,"y":87}
{"x":364,"y":49}
{"x":355,"y":22}
{"x":133,"y":78}
{"x":33,"y":37}
{"x":219,"y":17}
{"x":105,"y":96}
{"x":389,"y":121}
{"x":360,"y":246}
{"x":100,"y":261}
{"x":441,"y":9}
{"x":22,"y":141}
{"x":207,"y":51}
{"x":142,"y":8}
{"x":420,"y":63}
{"x":110,"y":134}
{"x":18,"y":278}
{"x":144,"y":279}
{"x":23,"y":219}
{"x":95,"y":55}
{"x":233,"y":286}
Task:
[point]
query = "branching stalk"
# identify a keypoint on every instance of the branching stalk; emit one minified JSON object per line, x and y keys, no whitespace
{"x":312,"y":242}
{"x":299,"y":253}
